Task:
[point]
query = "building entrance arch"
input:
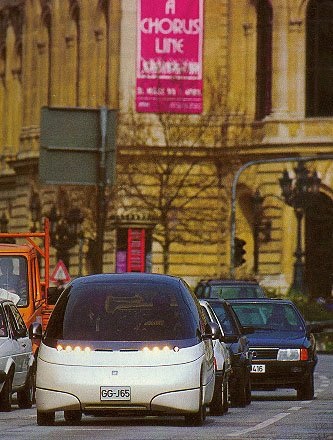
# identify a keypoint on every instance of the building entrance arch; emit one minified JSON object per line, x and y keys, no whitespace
{"x":319,"y":246}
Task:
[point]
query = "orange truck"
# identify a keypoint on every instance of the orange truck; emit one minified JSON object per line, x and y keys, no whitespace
{"x":24,"y":257}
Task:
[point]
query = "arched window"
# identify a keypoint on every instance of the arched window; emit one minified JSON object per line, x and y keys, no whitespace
{"x":264,"y":59}
{"x":319,"y":58}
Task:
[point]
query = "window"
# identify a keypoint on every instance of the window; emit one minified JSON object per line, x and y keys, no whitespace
{"x":18,"y":326}
{"x":264,"y":59}
{"x":319,"y":58}
{"x":13,"y":279}
{"x":122,"y":312}
{"x":3,"y":327}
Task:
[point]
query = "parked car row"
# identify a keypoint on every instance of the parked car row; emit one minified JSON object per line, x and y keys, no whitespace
{"x":145,"y":344}
{"x":280,"y":347}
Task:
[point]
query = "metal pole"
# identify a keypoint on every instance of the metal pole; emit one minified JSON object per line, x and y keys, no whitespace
{"x":101,"y":202}
{"x":234,"y":187}
{"x":80,"y":256}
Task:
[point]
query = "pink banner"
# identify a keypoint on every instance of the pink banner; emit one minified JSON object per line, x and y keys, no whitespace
{"x":169,"y":57}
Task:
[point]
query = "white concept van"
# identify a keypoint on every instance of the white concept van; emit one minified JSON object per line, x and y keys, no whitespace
{"x":126,"y":343}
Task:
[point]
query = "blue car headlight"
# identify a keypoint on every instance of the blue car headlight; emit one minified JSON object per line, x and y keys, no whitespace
{"x":288,"y":354}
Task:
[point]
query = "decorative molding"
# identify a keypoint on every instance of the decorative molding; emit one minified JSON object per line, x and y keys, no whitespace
{"x":41,"y":46}
{"x":248,"y":28}
{"x":99,"y":34}
{"x":70,"y":40}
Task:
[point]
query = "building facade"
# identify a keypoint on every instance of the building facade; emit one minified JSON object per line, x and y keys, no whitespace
{"x":263,"y":97}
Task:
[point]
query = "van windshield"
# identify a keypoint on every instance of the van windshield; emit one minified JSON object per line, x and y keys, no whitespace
{"x":13,"y":279}
{"x":122,"y":312}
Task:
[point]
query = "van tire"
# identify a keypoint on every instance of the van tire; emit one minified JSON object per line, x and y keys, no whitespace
{"x":197,"y":418}
{"x":73,"y":416}
{"x":45,"y":418}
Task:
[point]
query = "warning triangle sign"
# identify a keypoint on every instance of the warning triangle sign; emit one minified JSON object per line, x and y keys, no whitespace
{"x":60,"y":273}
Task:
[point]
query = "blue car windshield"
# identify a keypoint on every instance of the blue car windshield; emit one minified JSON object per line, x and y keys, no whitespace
{"x":235,"y":292}
{"x":269,"y":316}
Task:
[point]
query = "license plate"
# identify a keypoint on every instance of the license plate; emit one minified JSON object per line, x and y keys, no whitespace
{"x":115,"y":393}
{"x":258,"y":368}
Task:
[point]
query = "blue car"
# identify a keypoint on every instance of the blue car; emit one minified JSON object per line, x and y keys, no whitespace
{"x":282,"y":345}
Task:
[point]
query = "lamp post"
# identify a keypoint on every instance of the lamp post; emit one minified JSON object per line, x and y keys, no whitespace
{"x":65,"y":231}
{"x":3,"y":223}
{"x":261,"y":228}
{"x":297,"y":193}
{"x":35,"y":209}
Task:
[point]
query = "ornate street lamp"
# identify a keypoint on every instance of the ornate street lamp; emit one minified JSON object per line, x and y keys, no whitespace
{"x":4,"y":228}
{"x":298,"y":193}
{"x":4,"y":223}
{"x":261,"y":228}
{"x":35,"y":209}
{"x":65,"y":231}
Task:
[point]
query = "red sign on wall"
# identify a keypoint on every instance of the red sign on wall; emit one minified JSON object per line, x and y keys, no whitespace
{"x":136,"y":250}
{"x":169,"y":56}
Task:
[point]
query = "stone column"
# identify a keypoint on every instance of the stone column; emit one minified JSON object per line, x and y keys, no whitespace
{"x":57,"y":51}
{"x":280,"y":86}
{"x":27,"y":67}
{"x":84,"y":53}
{"x":113,"y":54}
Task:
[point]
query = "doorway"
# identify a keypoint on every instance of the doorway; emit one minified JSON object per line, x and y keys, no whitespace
{"x":319,"y":247}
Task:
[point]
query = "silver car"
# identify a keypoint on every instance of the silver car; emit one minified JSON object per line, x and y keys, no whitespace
{"x":17,"y":365}
{"x":220,"y":402}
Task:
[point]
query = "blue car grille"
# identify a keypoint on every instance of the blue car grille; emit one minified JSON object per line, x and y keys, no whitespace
{"x":264,"y":354}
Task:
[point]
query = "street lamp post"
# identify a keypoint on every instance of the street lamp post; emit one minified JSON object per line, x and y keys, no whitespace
{"x":257,"y":204}
{"x":261,"y":228}
{"x":35,"y":209}
{"x":297,"y":193}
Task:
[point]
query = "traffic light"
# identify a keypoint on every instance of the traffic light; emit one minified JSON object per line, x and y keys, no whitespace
{"x":239,"y":252}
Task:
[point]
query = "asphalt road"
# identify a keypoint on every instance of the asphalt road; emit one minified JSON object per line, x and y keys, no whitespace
{"x":271,"y":415}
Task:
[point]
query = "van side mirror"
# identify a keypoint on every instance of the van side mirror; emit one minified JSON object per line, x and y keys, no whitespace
{"x":35,"y":331}
{"x":212,"y":331}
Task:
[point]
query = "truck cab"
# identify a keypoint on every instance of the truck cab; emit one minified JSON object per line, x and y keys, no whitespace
{"x":24,"y":273}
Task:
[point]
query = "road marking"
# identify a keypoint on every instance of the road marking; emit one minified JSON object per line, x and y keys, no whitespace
{"x":259,"y":425}
{"x":294,"y":408}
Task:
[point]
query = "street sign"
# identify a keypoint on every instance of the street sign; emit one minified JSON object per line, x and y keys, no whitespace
{"x":60,"y":273}
{"x":72,"y":145}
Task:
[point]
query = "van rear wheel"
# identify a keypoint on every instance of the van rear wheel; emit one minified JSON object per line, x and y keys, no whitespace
{"x":197,"y":418}
{"x":45,"y":418}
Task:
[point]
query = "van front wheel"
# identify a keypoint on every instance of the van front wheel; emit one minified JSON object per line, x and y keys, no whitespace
{"x":73,"y":416}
